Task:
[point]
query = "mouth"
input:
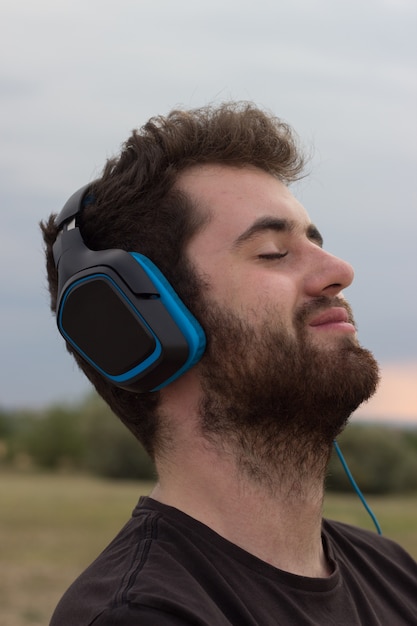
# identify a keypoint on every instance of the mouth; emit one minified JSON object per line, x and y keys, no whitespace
{"x":335,"y":318}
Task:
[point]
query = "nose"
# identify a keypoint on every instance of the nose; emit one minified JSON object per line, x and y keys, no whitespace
{"x":328,"y":275}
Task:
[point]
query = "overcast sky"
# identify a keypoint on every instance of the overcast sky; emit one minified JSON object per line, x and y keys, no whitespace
{"x":76,"y":77}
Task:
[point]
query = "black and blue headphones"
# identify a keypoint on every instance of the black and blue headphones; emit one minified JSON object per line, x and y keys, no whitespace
{"x":119,"y":312}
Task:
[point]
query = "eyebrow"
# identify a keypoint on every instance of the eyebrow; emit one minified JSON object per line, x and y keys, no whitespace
{"x":264,"y":224}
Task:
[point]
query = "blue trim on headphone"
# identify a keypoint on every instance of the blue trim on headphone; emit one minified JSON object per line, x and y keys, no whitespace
{"x":138,"y":369}
{"x":189,"y":326}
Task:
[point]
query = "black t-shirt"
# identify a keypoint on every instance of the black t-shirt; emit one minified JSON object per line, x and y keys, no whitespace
{"x":166,"y":569}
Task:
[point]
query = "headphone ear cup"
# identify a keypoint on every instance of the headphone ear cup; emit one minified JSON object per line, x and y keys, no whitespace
{"x":98,"y":321}
{"x":139,"y":341}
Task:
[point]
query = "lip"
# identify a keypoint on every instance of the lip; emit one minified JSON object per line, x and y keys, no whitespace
{"x":334,"y":318}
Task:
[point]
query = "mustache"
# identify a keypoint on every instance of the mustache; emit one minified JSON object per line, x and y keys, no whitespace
{"x":320,"y":304}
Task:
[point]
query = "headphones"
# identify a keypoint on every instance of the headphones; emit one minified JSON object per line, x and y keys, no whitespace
{"x":119,"y":312}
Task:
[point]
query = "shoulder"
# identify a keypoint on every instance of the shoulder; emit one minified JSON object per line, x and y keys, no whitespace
{"x":145,"y":575}
{"x":104,"y":582}
{"x":346,"y":540}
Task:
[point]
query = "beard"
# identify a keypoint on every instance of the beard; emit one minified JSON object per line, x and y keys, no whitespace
{"x":277,"y":400}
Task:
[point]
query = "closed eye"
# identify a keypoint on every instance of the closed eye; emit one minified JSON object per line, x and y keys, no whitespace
{"x":272,"y":256}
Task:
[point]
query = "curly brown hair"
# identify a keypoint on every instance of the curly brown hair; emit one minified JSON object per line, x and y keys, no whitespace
{"x":137,"y":208}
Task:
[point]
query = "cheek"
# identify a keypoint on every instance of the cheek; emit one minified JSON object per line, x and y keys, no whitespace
{"x":228,"y":290}
{"x":255,"y":296}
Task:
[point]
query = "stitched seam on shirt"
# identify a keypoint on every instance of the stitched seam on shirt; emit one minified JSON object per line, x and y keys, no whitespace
{"x":139,"y":559}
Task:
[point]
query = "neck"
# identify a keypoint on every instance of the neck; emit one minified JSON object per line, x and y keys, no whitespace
{"x":274,"y":513}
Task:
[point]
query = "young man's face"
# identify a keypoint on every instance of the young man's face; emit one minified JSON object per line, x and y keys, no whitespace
{"x":253,"y":219}
{"x":282,"y":362}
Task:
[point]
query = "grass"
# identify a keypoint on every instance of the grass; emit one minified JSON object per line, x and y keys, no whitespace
{"x":52,"y":526}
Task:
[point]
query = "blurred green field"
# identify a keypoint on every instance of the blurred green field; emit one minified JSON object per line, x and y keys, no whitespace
{"x":52,"y":526}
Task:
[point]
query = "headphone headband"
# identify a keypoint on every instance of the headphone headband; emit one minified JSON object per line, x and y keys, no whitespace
{"x":73,"y":205}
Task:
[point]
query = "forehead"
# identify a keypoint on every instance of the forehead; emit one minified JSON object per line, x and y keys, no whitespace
{"x":235,"y":198}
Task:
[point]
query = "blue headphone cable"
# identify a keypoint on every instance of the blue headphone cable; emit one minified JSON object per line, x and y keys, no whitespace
{"x":355,"y":487}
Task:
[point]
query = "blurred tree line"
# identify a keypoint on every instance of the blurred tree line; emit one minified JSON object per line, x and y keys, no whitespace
{"x":88,"y":438}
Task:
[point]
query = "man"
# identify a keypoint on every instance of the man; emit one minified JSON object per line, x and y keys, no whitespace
{"x":233,"y":531}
